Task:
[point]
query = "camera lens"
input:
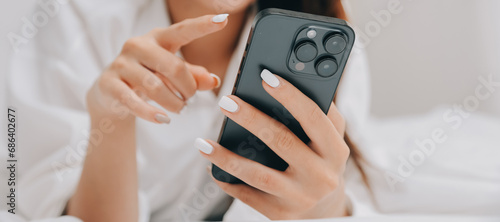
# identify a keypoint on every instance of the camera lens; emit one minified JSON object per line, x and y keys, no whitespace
{"x":306,"y":52}
{"x":335,"y":44}
{"x":326,"y":67}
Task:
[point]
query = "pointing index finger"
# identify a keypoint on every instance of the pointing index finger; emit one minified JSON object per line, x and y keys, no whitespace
{"x":182,"y":33}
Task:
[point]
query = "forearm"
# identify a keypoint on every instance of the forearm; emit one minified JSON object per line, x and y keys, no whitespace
{"x":108,"y":186}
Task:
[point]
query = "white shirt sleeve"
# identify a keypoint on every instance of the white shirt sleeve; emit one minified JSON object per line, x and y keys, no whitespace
{"x":353,"y":97}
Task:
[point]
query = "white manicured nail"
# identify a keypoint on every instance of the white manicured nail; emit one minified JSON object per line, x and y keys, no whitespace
{"x":203,"y":146}
{"x":269,"y":78}
{"x":162,"y":118}
{"x":220,"y":18}
{"x":228,"y":104}
{"x":217,"y":79}
{"x":178,"y":94}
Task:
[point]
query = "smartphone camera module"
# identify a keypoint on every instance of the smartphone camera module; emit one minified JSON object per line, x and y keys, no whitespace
{"x":317,"y":51}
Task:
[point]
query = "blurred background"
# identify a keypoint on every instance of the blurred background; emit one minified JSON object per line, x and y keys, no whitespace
{"x":426,"y":53}
{"x":431,"y":53}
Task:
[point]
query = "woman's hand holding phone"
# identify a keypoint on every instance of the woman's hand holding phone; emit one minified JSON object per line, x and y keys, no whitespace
{"x":312,"y":186}
{"x":147,"y":68}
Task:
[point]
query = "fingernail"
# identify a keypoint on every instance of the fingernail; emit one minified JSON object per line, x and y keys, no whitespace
{"x":228,"y":104}
{"x":217,"y":79}
{"x":178,"y":94}
{"x":269,"y":78}
{"x":203,"y":146}
{"x":162,"y":118}
{"x":220,"y":18}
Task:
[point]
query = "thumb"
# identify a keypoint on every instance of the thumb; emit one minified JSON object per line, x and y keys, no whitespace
{"x":204,"y":79}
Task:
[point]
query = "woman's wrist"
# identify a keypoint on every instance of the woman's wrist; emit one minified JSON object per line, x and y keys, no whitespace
{"x":341,"y":204}
{"x":103,"y":109}
{"x":99,"y":120}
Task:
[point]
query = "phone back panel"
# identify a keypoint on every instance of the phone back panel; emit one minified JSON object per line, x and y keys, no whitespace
{"x":271,"y":41}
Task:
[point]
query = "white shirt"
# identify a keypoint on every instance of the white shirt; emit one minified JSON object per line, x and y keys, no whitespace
{"x":48,"y":82}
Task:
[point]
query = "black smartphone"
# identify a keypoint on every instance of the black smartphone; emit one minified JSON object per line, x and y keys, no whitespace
{"x":309,"y":51}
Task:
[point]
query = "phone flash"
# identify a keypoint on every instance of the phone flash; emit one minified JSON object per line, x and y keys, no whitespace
{"x":311,"y":34}
{"x":300,"y":66}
